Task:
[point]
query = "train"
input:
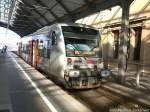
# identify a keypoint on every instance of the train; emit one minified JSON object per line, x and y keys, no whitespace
{"x":70,"y":53}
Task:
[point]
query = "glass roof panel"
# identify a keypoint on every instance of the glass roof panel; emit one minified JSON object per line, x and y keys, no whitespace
{"x":4,"y":10}
{"x":7,"y":8}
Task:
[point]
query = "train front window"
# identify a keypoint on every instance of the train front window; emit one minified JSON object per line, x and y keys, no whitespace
{"x":81,"y":41}
{"x":80,"y":47}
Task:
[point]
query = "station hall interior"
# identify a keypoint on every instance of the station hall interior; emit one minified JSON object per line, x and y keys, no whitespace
{"x":74,"y":56}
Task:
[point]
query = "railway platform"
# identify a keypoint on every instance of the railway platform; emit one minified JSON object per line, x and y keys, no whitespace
{"x":24,"y":89}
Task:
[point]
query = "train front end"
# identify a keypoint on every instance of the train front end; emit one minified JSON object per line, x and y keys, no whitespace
{"x":83,"y":56}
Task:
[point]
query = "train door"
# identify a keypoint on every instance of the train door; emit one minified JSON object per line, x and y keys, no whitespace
{"x":34,"y":50}
{"x":30,"y":52}
{"x":53,"y":53}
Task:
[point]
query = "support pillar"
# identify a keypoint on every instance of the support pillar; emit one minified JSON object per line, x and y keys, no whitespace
{"x":122,"y":62}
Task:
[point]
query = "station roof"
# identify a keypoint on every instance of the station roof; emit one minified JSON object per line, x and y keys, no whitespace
{"x":26,"y":16}
{"x":111,"y":18}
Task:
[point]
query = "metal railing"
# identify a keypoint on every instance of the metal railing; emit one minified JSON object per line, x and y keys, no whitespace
{"x":138,"y":69}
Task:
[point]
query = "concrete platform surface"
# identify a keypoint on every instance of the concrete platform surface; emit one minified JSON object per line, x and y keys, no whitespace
{"x":24,"y":89}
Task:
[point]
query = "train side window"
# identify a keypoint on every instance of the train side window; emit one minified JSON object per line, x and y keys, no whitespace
{"x":40,"y":48}
{"x":41,"y":44}
{"x":54,"y":37}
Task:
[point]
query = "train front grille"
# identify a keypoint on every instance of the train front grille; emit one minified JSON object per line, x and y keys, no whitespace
{"x":83,"y":82}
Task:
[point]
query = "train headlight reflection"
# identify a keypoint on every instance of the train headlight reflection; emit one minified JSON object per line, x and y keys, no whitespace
{"x":74,"y":73}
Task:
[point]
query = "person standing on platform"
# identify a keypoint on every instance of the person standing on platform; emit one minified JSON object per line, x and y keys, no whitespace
{"x":4,"y":49}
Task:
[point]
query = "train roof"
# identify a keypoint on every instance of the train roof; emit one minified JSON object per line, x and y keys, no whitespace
{"x":75,"y":24}
{"x":46,"y":29}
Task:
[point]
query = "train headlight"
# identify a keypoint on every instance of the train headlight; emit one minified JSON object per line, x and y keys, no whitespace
{"x":105,"y":73}
{"x":74,"y":73}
